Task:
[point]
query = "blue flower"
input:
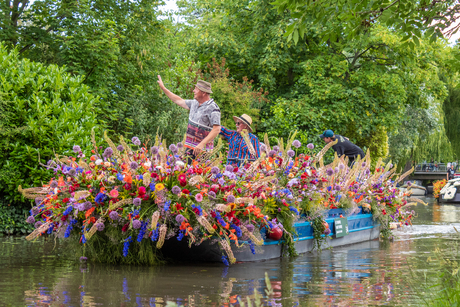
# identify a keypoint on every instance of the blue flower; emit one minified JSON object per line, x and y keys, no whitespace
{"x":239,"y":233}
{"x":294,"y":210}
{"x":252,"y":247}
{"x":141,"y":234}
{"x":83,"y":239}
{"x":50,"y":230}
{"x":120,"y":177}
{"x":181,"y":235}
{"x":68,"y":210}
{"x":200,"y":211}
{"x":100,"y":198}
{"x":152,"y":186}
{"x":69,"y":228}
{"x":126,"y":246}
{"x":155,"y":233}
{"x":225,"y":261}
{"x":167,"y":204}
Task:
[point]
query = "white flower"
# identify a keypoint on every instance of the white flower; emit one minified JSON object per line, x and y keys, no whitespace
{"x":148,"y":164}
{"x":98,"y":162}
{"x":106,"y":164}
{"x":180,"y":163}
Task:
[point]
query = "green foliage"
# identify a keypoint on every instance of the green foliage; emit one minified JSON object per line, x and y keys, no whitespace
{"x":413,"y":20}
{"x":451,"y":108}
{"x":13,"y":219}
{"x":45,"y":111}
{"x":234,"y":98}
{"x":319,"y":226}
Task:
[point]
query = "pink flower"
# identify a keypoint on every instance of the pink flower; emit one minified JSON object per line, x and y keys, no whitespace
{"x":199,"y":197}
{"x":141,"y":190}
{"x":114,"y":193}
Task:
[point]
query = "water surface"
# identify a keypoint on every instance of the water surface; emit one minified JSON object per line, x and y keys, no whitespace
{"x":369,"y":273}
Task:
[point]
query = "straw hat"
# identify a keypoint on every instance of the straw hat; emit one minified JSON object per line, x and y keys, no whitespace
{"x":245,"y":119}
{"x":204,"y":86}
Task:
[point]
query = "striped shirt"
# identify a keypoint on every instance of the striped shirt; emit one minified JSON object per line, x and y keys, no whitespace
{"x":201,"y":119}
{"x":238,"y":150}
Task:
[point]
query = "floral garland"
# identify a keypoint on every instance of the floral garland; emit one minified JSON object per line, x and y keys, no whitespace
{"x":133,"y":194}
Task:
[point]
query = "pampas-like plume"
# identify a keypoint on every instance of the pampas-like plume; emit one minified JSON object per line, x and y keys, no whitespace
{"x":84,"y":165}
{"x":228,"y":250}
{"x":401,"y":178}
{"x":320,"y":154}
{"x":146,"y":179}
{"x":205,"y":156}
{"x":417,"y":200}
{"x":205,"y":223}
{"x":247,"y":140}
{"x":32,"y":193}
{"x":38,"y":231}
{"x":81,"y":194}
{"x":155,"y":217}
{"x":251,"y":236}
{"x":93,"y":140}
{"x":93,"y":229}
{"x":223,"y":208}
{"x":116,"y":153}
{"x":267,"y":143}
{"x":126,"y":147}
{"x":120,"y":203}
{"x":195,"y":180}
{"x":161,"y":238}
{"x":253,"y":166}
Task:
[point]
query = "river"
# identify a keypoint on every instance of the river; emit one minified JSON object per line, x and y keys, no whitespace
{"x":370,"y":273}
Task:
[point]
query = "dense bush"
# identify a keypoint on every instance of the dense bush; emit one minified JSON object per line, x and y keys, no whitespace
{"x":13,"y":219}
{"x":43,"y":111}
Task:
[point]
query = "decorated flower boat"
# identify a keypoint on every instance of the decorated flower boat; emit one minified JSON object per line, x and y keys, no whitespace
{"x":450,"y":192}
{"x":134,"y":204}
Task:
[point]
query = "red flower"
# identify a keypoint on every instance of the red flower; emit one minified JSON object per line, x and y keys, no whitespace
{"x":182,"y":177}
{"x":235,"y":169}
{"x":125,"y":227}
{"x":154,"y":176}
{"x":141,"y":191}
{"x":64,"y":218}
{"x":65,"y":200}
{"x":199,"y":171}
{"x":185,"y":191}
{"x":127,"y":186}
{"x":182,"y":183}
{"x":179,"y":206}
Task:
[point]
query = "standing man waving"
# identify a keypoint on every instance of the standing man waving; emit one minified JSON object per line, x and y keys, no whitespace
{"x":204,"y":117}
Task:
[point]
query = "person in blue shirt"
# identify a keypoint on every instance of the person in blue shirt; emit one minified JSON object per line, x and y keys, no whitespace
{"x":239,"y":151}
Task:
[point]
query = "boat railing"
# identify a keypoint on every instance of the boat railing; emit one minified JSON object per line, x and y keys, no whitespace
{"x":432,"y":167}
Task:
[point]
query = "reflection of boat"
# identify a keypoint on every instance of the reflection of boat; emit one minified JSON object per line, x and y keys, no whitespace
{"x":358,"y":228}
{"x":415,"y":187}
{"x":450,"y":193}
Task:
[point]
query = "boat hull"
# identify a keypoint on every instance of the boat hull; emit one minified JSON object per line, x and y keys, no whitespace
{"x":361,"y":228}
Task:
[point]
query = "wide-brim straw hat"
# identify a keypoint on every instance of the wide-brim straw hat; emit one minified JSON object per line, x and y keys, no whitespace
{"x":246,"y":119}
{"x":204,"y":86}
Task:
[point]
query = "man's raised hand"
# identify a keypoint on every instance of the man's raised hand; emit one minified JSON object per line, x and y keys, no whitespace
{"x":160,"y":82}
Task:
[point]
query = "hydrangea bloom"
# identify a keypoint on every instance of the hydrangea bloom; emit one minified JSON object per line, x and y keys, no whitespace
{"x":229,"y":168}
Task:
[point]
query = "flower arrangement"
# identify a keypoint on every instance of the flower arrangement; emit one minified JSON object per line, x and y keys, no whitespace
{"x":134,"y":197}
{"x":437,"y":187}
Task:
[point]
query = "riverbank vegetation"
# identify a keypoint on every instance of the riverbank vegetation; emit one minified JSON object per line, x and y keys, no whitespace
{"x":391,"y":85}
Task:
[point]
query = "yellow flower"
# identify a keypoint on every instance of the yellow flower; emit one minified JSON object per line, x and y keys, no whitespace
{"x":291,"y":175}
{"x":159,"y":187}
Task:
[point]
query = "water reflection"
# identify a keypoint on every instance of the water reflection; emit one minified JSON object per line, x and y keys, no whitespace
{"x":369,"y":273}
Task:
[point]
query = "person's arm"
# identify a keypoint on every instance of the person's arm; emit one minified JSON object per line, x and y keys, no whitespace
{"x":225,"y":132}
{"x":176,"y":99}
{"x":210,"y":137}
{"x":256,"y":144}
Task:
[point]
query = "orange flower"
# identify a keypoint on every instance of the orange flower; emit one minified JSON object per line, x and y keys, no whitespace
{"x":93,"y":158}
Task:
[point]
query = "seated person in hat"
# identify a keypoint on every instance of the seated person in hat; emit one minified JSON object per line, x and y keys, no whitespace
{"x":204,"y":117}
{"x":238,"y":149}
{"x":343,"y":146}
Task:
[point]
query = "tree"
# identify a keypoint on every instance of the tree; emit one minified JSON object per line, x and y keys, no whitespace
{"x":411,"y":19}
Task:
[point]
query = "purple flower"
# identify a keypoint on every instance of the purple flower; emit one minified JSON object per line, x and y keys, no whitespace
{"x":176,"y":190}
{"x":76,"y":149}
{"x":356,"y":186}
{"x":137,"y":224}
{"x":108,"y":152}
{"x":272,"y":153}
{"x":250,"y":227}
{"x":215,"y":170}
{"x":180,"y":218}
{"x":296,"y":144}
{"x":367,"y":171}
{"x":221,"y":181}
{"x":310,"y":146}
{"x":53,"y":184}
{"x":88,"y":205}
{"x":199,"y":197}
{"x":72,"y":172}
{"x":276,"y":148}
{"x":35,"y":210}
{"x":230,"y":198}
{"x":173,"y":148}
{"x":30,"y":220}
{"x":341,"y":166}
{"x":137,"y":201}
{"x":329,"y":171}
{"x":120,"y":148}
{"x":337,"y":188}
{"x":263,"y":147}
{"x":327,"y":231}
{"x":212,"y":195}
{"x":291,"y":153}
{"x":154,"y":150}
{"x":363,"y":164}
{"x":136,"y":141}
{"x":133,"y":165}
{"x":180,"y":145}
{"x":38,"y":224}
{"x":229,"y":168}
{"x":336,"y":170}
{"x":100,"y":226}
{"x":114,"y":215}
